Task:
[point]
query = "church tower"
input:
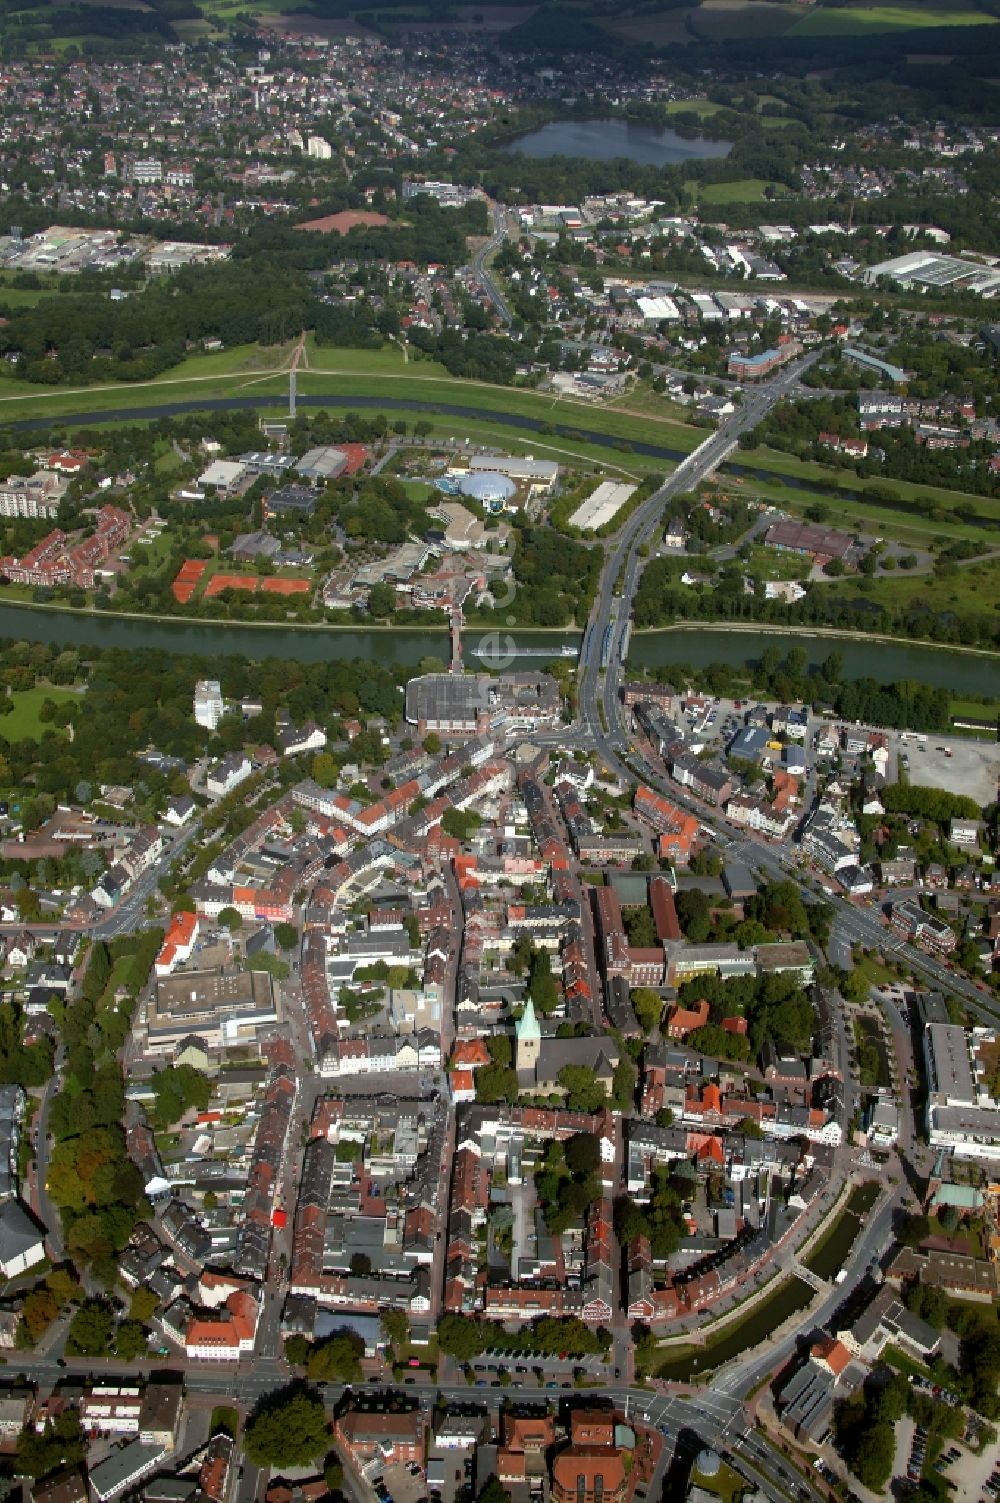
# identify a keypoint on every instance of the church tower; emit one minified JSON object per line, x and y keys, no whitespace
{"x":528,"y":1040}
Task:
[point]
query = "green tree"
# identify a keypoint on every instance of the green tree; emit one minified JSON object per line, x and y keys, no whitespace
{"x":460,"y":824}
{"x":287,"y":1428}
{"x":584,"y":1092}
{"x":297,"y":1349}
{"x":648,"y":1008}
{"x":396,"y":1329}
{"x":623,"y":1087}
{"x":495,"y":1083}
{"x":131,"y":1340}
{"x":91,"y":1331}
{"x":286,"y":935}
{"x":336,"y":1360}
{"x":582,"y":1154}
{"x":230,"y":918}
{"x":461,"y":1336}
{"x":492,"y":1491}
{"x":541,"y":984}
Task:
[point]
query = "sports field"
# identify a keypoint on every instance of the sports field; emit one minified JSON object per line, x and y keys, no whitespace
{"x":744,"y":190}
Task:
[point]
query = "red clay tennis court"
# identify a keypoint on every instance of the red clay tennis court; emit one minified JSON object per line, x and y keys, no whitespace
{"x":188,"y":576}
{"x":356,"y":456}
{"x":252,"y":583}
{"x":285,"y":586}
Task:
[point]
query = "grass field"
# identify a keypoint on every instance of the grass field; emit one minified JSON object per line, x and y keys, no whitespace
{"x":972,"y":590}
{"x":765,"y":563}
{"x":779,"y":463}
{"x":23,"y":297}
{"x":151,"y":555}
{"x":869,"y":517}
{"x":23,"y":721}
{"x":852,"y":20}
{"x":745,"y":190}
{"x":725,"y":1484}
{"x":703,"y":108}
{"x":873,"y":1061}
{"x":875,"y":972}
{"x":978,"y":709}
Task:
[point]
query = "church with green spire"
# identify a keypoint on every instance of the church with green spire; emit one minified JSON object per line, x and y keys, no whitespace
{"x":527,"y":1042}
{"x":538,"y":1061}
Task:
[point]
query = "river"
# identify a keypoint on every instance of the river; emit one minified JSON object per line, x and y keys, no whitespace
{"x":604,"y":140}
{"x":889,"y":662}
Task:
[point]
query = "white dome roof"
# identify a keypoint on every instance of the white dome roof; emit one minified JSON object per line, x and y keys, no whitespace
{"x":487,"y":486}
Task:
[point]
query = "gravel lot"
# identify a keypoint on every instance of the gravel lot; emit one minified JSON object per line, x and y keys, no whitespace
{"x":973,"y":768}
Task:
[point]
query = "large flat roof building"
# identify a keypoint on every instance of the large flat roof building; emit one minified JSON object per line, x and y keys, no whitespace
{"x":962,"y":1116}
{"x":932,"y":271}
{"x":223,"y":1007}
{"x":602,"y":505}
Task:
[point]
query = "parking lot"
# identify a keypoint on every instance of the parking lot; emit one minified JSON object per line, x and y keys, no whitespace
{"x":403,"y":1482}
{"x":970,"y":1473}
{"x":455,"y":1465}
{"x":973,"y":767}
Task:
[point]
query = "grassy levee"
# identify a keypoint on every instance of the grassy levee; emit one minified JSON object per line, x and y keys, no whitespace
{"x":382,"y":376}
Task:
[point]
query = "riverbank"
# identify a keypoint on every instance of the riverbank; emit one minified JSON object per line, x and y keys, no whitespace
{"x":835,"y":633}
{"x":963,"y":671}
{"x":570,"y":633}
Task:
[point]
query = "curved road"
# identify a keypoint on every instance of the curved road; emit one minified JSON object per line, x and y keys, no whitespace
{"x":482,"y":272}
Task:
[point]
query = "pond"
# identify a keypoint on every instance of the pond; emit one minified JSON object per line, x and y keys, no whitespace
{"x":603,"y":140}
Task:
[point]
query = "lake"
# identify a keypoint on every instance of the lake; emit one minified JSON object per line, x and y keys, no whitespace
{"x":603,"y":140}
{"x":888,"y":662}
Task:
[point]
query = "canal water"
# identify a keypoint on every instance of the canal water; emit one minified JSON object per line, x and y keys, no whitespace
{"x":888,"y":662}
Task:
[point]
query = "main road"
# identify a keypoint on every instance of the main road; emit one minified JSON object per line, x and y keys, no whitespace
{"x":481,"y":271}
{"x":624,"y":561}
{"x":601,"y":711}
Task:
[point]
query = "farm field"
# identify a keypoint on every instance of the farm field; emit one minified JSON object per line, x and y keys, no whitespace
{"x":863,"y":19}
{"x":731,"y":20}
{"x":668,"y":30}
{"x":23,"y":720}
